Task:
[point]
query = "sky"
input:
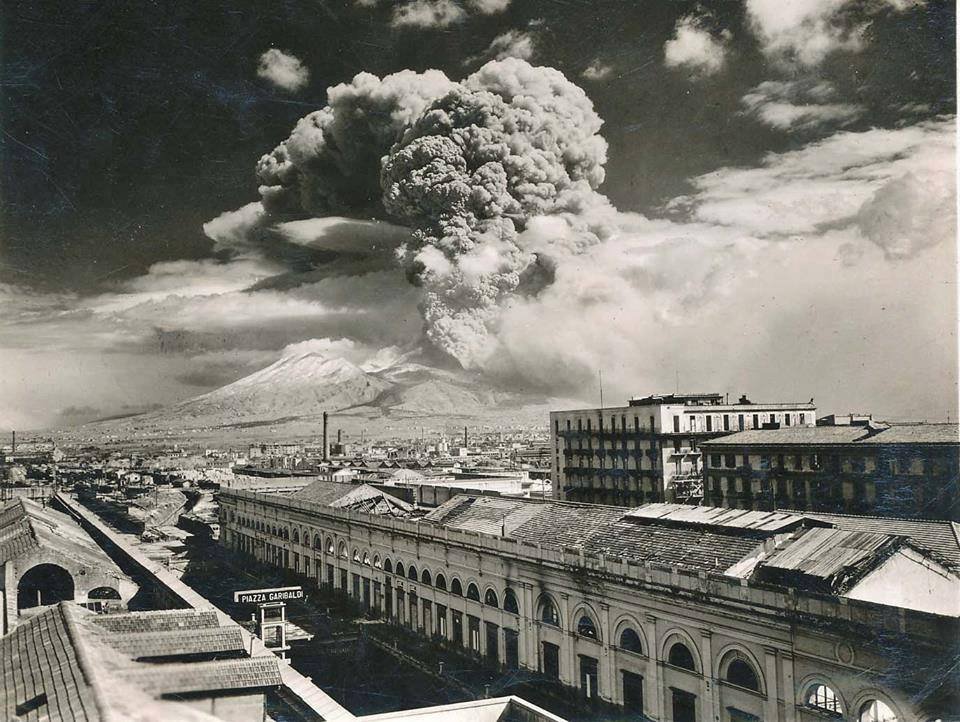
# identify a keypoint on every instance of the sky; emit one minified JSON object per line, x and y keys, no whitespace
{"x":750,"y":197}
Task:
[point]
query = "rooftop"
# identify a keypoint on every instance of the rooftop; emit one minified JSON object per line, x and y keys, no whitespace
{"x":801,"y":435}
{"x":916,"y":434}
{"x":357,"y":497}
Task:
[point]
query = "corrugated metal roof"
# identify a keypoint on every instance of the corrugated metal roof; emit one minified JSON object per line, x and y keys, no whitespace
{"x":764,"y":521}
{"x":939,"y":536}
{"x":828,"y":553}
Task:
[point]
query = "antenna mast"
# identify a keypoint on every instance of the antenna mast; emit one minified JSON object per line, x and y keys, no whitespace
{"x":600,"y":372}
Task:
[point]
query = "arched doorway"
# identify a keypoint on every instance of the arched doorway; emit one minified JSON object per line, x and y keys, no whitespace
{"x":103,"y":593}
{"x":42,"y":585}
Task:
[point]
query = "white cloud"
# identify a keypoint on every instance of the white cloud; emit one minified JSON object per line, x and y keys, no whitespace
{"x":694,"y":48}
{"x":798,"y":105}
{"x":804,"y":32}
{"x":511,"y":44}
{"x":283,"y":70}
{"x":597,"y":70}
{"x":442,"y":13}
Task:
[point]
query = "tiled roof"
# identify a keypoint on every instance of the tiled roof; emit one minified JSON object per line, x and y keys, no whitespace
{"x":40,"y":661}
{"x":323,"y":492}
{"x":916,"y":434}
{"x":26,"y":525}
{"x":215,"y":676}
{"x":597,"y":530}
{"x":939,"y":536}
{"x":217,"y":640}
{"x":159,"y":621}
{"x":790,"y":435}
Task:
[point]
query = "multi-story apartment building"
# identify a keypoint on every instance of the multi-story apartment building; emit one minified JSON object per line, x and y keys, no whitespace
{"x":905,"y":470}
{"x":649,"y":450}
{"x":674,"y":613}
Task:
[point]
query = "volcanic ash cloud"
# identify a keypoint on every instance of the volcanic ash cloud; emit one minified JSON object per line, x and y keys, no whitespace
{"x":472,"y":167}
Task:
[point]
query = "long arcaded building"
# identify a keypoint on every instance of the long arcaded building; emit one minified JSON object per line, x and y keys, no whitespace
{"x":679,"y":613}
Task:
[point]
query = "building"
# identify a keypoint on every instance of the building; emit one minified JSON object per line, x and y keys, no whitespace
{"x":904,"y":470}
{"x":649,"y":451}
{"x":46,"y":558}
{"x":68,"y":663}
{"x":676,"y":612}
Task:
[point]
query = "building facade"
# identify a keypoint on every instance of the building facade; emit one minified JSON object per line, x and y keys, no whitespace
{"x":649,"y":451}
{"x":677,"y":641}
{"x":903,"y":470}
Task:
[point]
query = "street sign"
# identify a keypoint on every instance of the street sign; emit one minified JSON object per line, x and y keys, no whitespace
{"x":262,"y":596}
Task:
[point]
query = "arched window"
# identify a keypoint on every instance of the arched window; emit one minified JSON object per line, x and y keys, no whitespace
{"x":490,"y":599}
{"x":377,"y":562}
{"x":740,"y":673}
{"x":510,"y":602}
{"x":441,"y":582}
{"x":388,"y":566}
{"x":103,"y":593}
{"x":366,"y":558}
{"x":823,"y":698}
{"x":273,"y":530}
{"x":456,"y":588}
{"x":548,"y":613}
{"x":329,"y":545}
{"x":342,"y":550}
{"x":425,"y":577}
{"x":586,"y":627}
{"x":680,"y":656}
{"x":412,"y":573}
{"x":401,"y":572}
{"x":317,"y":543}
{"x":306,"y":538}
{"x":877,"y":711}
{"x":356,"y":555}
{"x":473,"y":593}
{"x":296,"y":537}
{"x":630,"y":641}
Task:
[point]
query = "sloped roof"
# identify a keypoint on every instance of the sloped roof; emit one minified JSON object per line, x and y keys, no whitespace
{"x":165,"y":620}
{"x":215,"y":640}
{"x":597,"y":530}
{"x":916,"y":434}
{"x":26,"y":525}
{"x":763,"y":521}
{"x":939,"y":536}
{"x":229,"y":674}
{"x":787,"y":435}
{"x":358,"y":497}
{"x":828,"y":559}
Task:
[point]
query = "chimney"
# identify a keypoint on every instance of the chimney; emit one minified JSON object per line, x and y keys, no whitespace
{"x":326,"y":445}
{"x":339,"y":437}
{"x":465,"y":437}
{"x":13,"y":442}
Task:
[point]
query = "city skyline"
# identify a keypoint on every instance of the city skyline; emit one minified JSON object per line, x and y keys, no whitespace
{"x":741,"y":199}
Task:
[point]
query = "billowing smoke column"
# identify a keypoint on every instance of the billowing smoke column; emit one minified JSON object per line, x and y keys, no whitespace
{"x":471,"y":166}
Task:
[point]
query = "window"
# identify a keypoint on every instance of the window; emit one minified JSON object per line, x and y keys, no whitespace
{"x":586,"y":627}
{"x":296,"y":537}
{"x":756,"y":421}
{"x":764,"y":462}
{"x":412,"y":573}
{"x":550,"y":659}
{"x":441,"y":582}
{"x":510,"y":602}
{"x":740,"y":673}
{"x":568,"y":424}
{"x":803,"y":419}
{"x":388,"y":566}
{"x":676,"y":424}
{"x":876,"y":711}
{"x":715,"y":460}
{"x":636,"y":423}
{"x":456,"y":588}
{"x":548,"y":613}
{"x":730,"y":460}
{"x":680,"y":656}
{"x":823,"y":698}
{"x":589,"y":678}
{"x":343,"y":550}
{"x":589,"y":425}
{"x":356,"y":555}
{"x":798,"y":462}
{"x":425,"y":578}
{"x":377,"y":562}
{"x":786,"y":419}
{"x":579,"y":425}
{"x":630,"y":641}
{"x":329,"y":545}
{"x":366,"y":558}
{"x":632,"y":693}
{"x":709,"y":422}
{"x":473,"y":593}
{"x":490,"y":598}
{"x":740,"y":421}
{"x":401,"y":572}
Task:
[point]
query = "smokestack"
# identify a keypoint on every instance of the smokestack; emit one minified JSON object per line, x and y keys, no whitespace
{"x":464,"y":437}
{"x":13,"y":442}
{"x":339,"y":436}
{"x":326,"y":445}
